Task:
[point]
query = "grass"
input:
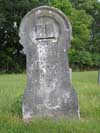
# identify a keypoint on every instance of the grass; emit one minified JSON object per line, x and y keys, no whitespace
{"x":85,"y":83}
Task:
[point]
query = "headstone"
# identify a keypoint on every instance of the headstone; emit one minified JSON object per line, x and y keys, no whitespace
{"x":45,"y":34}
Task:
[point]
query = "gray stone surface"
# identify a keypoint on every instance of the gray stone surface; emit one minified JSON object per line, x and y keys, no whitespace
{"x":45,"y":34}
{"x":70,"y":73}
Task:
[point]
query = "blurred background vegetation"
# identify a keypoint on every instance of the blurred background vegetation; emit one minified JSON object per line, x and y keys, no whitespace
{"x":84,"y":16}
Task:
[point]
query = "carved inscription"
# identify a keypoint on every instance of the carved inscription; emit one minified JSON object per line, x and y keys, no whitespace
{"x":45,"y":31}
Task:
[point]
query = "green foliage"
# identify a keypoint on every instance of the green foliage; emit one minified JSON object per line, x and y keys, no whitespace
{"x":92,"y":8}
{"x":96,"y":59}
{"x":84,"y":16}
{"x":11,"y":90}
{"x":84,"y":4}
{"x":12,"y":14}
{"x":64,"y":5}
{"x":81,"y":32}
{"x":84,"y":60}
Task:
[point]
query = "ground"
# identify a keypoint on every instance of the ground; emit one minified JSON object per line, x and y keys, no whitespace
{"x":88,"y":91}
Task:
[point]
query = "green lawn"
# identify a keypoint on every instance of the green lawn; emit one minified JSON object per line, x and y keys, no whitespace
{"x":85,"y":83}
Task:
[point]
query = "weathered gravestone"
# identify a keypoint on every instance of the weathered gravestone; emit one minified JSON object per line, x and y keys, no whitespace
{"x":45,"y":34}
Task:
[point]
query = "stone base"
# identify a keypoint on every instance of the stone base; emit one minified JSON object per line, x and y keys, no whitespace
{"x":56,"y":105}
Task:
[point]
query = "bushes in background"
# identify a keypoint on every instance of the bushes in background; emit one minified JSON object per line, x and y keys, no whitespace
{"x":83,"y":60}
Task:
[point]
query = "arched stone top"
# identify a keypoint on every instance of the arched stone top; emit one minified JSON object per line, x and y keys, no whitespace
{"x":62,"y":25}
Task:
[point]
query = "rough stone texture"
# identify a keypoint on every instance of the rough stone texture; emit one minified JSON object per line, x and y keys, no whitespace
{"x":70,"y":73}
{"x":45,"y":34}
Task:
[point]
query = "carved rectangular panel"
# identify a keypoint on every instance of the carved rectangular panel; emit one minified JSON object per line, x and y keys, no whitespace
{"x":40,"y":31}
{"x":45,"y":31}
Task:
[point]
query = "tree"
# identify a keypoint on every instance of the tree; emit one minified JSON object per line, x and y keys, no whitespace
{"x":11,"y":12}
{"x":91,"y":7}
{"x":81,"y":23}
{"x":64,"y":5}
